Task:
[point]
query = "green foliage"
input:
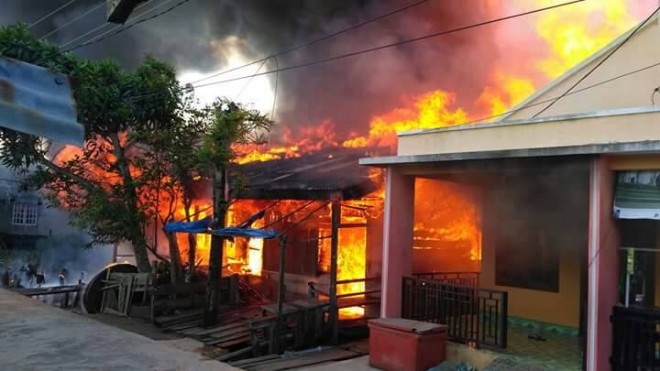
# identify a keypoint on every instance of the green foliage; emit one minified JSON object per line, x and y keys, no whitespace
{"x":140,"y":126}
{"x":230,"y":123}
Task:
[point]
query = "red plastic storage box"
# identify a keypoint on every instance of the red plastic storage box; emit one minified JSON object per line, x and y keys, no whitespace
{"x":397,"y":344}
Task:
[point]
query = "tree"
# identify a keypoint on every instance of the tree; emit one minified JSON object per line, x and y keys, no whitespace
{"x":104,"y":184}
{"x":230,"y":124}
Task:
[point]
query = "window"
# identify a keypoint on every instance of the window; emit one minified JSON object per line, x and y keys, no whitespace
{"x":24,"y":214}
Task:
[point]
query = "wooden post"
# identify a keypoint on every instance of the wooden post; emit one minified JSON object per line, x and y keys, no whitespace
{"x":220,"y":196}
{"x":281,"y":292}
{"x":334,"y":247}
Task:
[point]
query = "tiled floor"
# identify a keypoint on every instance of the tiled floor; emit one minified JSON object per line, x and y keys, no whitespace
{"x":556,"y":352}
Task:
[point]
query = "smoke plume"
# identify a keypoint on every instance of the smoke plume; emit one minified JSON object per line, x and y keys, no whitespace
{"x":347,"y":93}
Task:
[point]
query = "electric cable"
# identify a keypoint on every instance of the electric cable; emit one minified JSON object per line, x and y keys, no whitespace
{"x":121,"y":29}
{"x":103,"y":25}
{"x":72,"y":21}
{"x":521,"y":108}
{"x":602,"y":61}
{"x":369,"y":50}
{"x":395,"y":44}
{"x":316,"y":41}
{"x":37,"y":22}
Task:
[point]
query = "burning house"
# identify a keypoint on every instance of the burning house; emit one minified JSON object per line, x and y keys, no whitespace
{"x":566,"y":194}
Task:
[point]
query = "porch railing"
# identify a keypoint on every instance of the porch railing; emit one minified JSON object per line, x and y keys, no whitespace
{"x":473,"y":315}
{"x":636,"y":339}
{"x":452,"y":278}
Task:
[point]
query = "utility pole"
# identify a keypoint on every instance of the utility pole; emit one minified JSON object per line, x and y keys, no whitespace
{"x":335,"y":217}
{"x":220,"y":202}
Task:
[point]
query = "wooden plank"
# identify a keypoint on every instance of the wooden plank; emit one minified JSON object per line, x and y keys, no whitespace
{"x":222,"y":334}
{"x":306,"y":360}
{"x":47,"y":290}
{"x":199,"y":331}
{"x":230,"y":355}
{"x":228,"y":338}
{"x":229,"y":344}
{"x":176,"y":318}
{"x":255,"y":360}
{"x":182,"y":326}
{"x":333,"y":316}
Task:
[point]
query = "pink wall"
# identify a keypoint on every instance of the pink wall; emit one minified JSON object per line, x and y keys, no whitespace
{"x":397,"y":238}
{"x":603,"y":265}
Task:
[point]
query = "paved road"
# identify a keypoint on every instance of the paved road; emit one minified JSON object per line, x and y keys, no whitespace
{"x":36,"y":336}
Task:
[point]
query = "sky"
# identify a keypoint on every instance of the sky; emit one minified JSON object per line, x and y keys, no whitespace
{"x":202,"y":37}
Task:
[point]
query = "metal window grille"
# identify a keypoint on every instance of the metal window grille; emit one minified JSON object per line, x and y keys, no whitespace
{"x":24,"y":214}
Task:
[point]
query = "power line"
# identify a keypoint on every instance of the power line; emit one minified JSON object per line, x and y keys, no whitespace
{"x":84,"y":35}
{"x":352,"y":54}
{"x":277,"y":81}
{"x":103,"y":25}
{"x":602,"y":61}
{"x":96,"y":38}
{"x":38,"y":21}
{"x":612,"y":79}
{"x":71,"y":21}
{"x":315,"y":41}
{"x":398,"y":43}
{"x":122,"y":29}
{"x":249,"y":81}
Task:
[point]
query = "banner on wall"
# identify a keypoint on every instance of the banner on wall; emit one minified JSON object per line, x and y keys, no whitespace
{"x":637,"y":195}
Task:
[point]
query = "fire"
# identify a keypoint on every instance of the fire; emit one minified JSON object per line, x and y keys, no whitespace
{"x":445,"y":214}
{"x":507,"y":91}
{"x":574,"y":33}
{"x":351,"y":264}
{"x":200,"y":209}
{"x":427,"y":111}
{"x":447,"y":218}
{"x":244,"y":255}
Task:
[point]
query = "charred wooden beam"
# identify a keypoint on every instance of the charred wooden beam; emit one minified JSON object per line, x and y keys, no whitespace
{"x":334,"y":249}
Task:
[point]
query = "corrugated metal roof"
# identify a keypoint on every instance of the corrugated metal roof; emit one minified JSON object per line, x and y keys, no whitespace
{"x":313,"y":176}
{"x":37,"y":101}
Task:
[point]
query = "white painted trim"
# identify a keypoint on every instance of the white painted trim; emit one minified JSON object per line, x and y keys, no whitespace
{"x":572,"y":116}
{"x":594,"y":224}
{"x":386,"y":243}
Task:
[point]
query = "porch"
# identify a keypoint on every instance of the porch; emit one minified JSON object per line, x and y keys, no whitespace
{"x":518,"y":234}
{"x":478,"y":318}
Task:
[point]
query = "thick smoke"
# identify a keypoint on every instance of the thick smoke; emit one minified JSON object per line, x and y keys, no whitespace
{"x":347,"y":92}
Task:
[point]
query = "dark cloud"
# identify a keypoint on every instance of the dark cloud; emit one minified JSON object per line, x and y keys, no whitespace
{"x":347,"y":92}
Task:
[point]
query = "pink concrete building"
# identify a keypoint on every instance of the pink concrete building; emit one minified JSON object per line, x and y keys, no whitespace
{"x":568,"y":196}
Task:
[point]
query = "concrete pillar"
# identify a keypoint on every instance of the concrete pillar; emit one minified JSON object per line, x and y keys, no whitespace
{"x":397,"y":238}
{"x":602,"y":265}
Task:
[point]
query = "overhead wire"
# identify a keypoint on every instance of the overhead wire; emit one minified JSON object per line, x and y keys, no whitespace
{"x":316,"y":41}
{"x":277,"y":80}
{"x":369,"y":50}
{"x":588,"y":87}
{"x":118,"y":28}
{"x":72,"y":21}
{"x":395,"y":44}
{"x":101,"y":26}
{"x":250,"y":80}
{"x":121,"y":29}
{"x":601,"y":62}
{"x":37,"y":22}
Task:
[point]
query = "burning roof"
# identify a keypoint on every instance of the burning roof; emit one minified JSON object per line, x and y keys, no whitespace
{"x":315,"y":176}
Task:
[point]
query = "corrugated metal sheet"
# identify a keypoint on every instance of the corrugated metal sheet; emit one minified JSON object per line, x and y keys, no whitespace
{"x":36,"y":101}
